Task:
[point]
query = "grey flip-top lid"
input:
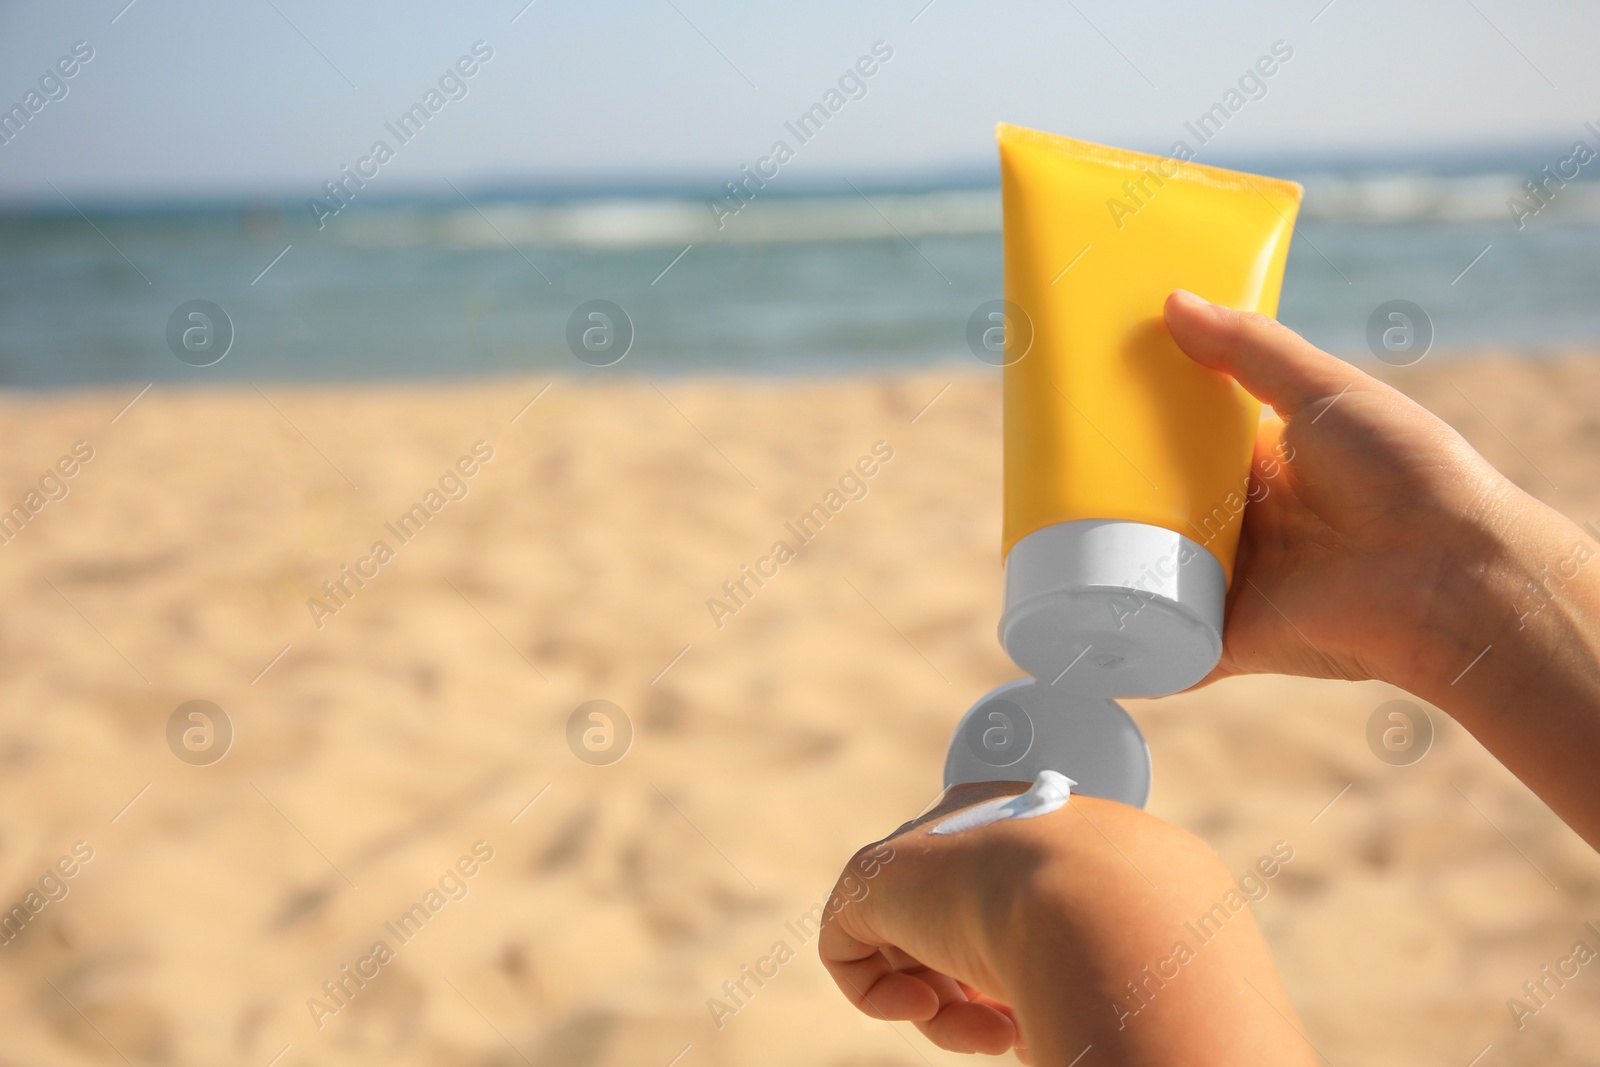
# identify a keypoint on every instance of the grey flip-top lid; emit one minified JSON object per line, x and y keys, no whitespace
{"x":1027,"y":726}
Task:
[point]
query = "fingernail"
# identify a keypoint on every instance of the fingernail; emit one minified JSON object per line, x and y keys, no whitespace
{"x":1184,"y":296}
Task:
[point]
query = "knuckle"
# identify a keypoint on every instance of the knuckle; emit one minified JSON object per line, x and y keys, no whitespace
{"x":1255,"y":325}
{"x":871,"y":857}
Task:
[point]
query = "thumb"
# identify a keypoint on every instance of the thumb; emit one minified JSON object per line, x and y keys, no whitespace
{"x":1274,"y":364}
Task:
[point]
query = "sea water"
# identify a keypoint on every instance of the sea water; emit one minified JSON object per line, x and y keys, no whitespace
{"x":791,"y":287}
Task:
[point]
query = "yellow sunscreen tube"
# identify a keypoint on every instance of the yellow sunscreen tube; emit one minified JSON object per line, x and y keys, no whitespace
{"x":1126,"y":463}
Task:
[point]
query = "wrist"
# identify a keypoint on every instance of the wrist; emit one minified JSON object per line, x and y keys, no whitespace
{"x":1090,"y":951}
{"x":1515,"y":619}
{"x":1052,"y":962}
{"x":1080,"y":910}
{"x":1526,"y":673}
{"x":1469,"y":580}
{"x":1017,"y":899}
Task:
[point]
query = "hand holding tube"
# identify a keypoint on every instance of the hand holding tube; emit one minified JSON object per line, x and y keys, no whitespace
{"x":1378,"y":544}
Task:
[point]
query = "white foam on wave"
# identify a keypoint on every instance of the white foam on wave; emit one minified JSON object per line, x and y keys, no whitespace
{"x":618,"y":223}
{"x":1427,"y":197}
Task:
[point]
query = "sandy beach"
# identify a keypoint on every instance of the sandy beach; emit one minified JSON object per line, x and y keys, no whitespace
{"x":415,"y":728}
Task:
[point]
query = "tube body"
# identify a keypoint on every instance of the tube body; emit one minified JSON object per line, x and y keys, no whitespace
{"x":1104,"y":417}
{"x":1127,"y":465}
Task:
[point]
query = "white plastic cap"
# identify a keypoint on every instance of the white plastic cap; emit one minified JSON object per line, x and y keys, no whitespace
{"x":1113,"y":608}
{"x":1028,"y":726}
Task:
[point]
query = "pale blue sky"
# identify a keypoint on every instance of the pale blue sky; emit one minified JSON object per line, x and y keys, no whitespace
{"x":196,"y":96}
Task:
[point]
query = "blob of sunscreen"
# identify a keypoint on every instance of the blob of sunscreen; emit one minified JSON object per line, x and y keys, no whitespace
{"x":1049,"y":791}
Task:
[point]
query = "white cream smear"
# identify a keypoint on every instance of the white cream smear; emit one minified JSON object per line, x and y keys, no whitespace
{"x":1049,"y":791}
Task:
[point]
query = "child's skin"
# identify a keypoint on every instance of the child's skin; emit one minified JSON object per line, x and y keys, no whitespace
{"x":1387,"y":548}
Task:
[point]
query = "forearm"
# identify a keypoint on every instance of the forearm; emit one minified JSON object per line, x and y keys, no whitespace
{"x":1519,"y":663}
